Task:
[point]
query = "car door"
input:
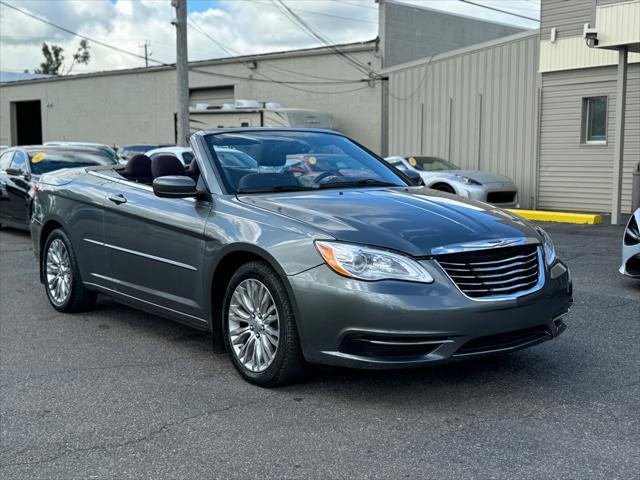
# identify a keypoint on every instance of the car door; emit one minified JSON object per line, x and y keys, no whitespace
{"x":155,"y":248}
{"x":5,"y":161}
{"x":18,"y":184}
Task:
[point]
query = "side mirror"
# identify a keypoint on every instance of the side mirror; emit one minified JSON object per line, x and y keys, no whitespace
{"x":415,"y":177}
{"x":16,"y":172}
{"x":175,"y":187}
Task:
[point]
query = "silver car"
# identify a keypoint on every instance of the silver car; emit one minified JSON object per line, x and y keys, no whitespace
{"x":631,"y":247}
{"x":440,"y":174}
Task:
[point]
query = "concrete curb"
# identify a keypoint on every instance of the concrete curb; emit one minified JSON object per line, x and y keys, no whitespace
{"x":563,"y":217}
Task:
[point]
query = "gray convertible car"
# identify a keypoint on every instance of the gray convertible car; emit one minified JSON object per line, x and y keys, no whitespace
{"x":345,"y":263}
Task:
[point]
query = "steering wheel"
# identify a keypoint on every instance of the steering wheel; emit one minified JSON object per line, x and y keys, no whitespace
{"x":327,"y":174}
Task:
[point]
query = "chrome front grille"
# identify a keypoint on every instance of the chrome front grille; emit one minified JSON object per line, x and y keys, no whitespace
{"x":495,"y":272}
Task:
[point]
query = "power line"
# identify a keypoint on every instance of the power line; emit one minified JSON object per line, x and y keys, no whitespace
{"x":306,"y":28}
{"x":284,"y":84}
{"x":76,"y":34}
{"x":418,"y":86}
{"x":233,"y":52}
{"x":197,"y":28}
{"x":345,"y":2}
{"x":314,"y":12}
{"x":268,"y":79}
{"x":341,"y":17}
{"x":287,"y":84}
{"x":286,"y":70}
{"x":499,"y":10}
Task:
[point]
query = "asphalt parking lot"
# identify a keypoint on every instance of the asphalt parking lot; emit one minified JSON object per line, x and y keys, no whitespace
{"x":116,"y":393}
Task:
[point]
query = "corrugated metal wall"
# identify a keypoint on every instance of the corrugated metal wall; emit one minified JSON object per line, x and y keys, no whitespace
{"x":476,"y":107}
{"x":577,"y":176}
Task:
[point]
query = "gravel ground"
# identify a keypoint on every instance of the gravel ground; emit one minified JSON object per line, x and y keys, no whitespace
{"x":117,"y":393}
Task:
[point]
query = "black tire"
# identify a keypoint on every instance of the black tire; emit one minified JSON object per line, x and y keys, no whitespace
{"x":79,"y":297}
{"x":288,"y":364}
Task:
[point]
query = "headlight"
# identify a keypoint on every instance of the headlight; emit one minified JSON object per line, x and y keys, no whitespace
{"x":364,"y":263}
{"x":466,"y":180}
{"x":547,"y":244}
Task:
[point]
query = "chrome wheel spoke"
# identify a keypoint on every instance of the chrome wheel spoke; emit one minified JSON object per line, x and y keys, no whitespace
{"x":253,"y":325}
{"x":58,"y":271}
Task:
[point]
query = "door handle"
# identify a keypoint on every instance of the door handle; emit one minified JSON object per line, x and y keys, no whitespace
{"x":117,"y":199}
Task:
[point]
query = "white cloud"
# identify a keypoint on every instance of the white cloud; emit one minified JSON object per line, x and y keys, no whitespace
{"x":244,"y":26}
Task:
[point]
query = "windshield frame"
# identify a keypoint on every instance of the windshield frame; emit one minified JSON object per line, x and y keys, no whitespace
{"x":199,"y":140}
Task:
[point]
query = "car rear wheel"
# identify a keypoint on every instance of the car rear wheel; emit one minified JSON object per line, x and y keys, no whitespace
{"x":62,"y":280}
{"x":259,"y":327}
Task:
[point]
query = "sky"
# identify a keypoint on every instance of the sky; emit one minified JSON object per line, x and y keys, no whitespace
{"x":240,"y":26}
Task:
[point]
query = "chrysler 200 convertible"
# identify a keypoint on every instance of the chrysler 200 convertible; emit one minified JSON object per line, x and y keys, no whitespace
{"x":346,"y":263}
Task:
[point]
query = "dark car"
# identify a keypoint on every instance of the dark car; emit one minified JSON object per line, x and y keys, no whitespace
{"x":20,"y":168}
{"x":285,"y":265}
{"x":125,"y":152}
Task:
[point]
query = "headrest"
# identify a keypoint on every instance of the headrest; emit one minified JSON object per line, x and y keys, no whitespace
{"x":193,"y":168}
{"x":138,"y":166}
{"x":164,"y":165}
{"x":265,"y":180}
{"x":274,"y":153}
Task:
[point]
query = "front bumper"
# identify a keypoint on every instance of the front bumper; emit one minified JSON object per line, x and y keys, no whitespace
{"x":500,"y":195}
{"x":391,"y":324}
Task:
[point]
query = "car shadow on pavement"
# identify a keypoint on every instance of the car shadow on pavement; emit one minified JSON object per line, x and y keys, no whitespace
{"x":523,"y":367}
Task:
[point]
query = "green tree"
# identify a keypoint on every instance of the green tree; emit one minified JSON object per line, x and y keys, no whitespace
{"x":82,"y":55}
{"x":54,"y":58}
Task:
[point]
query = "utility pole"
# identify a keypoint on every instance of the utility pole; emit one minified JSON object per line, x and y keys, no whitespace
{"x":182,"y":70}
{"x":146,"y":46}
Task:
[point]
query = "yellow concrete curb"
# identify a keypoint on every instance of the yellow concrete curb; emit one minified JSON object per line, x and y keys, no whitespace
{"x":564,"y":217}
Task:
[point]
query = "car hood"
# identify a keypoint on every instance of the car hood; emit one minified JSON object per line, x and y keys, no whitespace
{"x":411,"y":220}
{"x":478,"y":175}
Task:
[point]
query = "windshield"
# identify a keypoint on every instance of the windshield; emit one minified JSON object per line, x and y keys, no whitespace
{"x":44,"y":161}
{"x":274,"y":161}
{"x":430,"y":164}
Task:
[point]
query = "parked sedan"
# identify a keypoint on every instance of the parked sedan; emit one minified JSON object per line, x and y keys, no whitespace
{"x":125,"y":152}
{"x":21,"y":167}
{"x":440,"y":174}
{"x":349,"y":266}
{"x":631,"y":247}
{"x":105,"y":149}
{"x":184,"y":154}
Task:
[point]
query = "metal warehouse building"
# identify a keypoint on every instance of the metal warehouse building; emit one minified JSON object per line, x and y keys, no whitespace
{"x":138,"y":105}
{"x":541,"y":107}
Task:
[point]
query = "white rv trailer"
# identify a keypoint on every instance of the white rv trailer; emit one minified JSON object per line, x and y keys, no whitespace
{"x":249,"y":113}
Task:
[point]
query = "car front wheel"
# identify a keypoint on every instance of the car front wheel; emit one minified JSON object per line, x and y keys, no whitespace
{"x":62,"y":280}
{"x":259,"y":327}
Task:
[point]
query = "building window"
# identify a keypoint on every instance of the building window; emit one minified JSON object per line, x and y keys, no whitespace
{"x":594,"y":114}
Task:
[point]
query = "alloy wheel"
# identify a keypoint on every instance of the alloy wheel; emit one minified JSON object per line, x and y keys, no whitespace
{"x":58,"y":268}
{"x":254,"y":327}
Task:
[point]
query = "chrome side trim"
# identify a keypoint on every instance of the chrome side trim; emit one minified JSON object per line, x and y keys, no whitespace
{"x":502,"y":298}
{"x":116,"y":293}
{"x":484,"y":245}
{"x":142,"y":254}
